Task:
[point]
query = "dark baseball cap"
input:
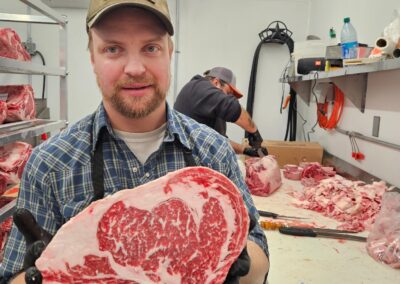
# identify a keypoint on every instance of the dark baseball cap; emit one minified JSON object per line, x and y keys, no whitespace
{"x":98,"y":8}
{"x":227,"y":76}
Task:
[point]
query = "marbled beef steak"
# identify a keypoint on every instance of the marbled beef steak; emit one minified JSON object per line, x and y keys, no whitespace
{"x":186,"y":227}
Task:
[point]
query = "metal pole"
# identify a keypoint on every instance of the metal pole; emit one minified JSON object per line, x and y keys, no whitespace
{"x":369,"y":139}
{"x":63,"y":31}
{"x":29,"y":38}
{"x":177,"y":51}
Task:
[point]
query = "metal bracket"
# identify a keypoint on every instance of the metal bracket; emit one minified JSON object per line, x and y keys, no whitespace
{"x":354,"y":88}
{"x":303,"y":89}
{"x":352,"y":80}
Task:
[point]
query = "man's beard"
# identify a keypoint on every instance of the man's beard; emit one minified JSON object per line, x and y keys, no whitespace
{"x":135,"y":107}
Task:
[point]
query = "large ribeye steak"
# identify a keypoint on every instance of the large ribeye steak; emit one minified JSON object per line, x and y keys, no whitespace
{"x":186,"y":227}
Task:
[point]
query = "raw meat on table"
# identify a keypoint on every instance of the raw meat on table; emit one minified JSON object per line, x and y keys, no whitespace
{"x":383,"y":243}
{"x":263,"y":175}
{"x":314,"y":172}
{"x":292,"y":172}
{"x":352,"y":202}
{"x":186,"y":227}
{"x":310,"y":173}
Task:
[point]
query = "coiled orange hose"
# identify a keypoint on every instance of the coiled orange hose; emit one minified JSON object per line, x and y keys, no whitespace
{"x":322,"y":110}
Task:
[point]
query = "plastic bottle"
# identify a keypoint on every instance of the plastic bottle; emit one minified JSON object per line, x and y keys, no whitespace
{"x":348,"y":40}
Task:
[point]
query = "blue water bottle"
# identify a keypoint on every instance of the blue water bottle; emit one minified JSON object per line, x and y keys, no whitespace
{"x":348,"y":40}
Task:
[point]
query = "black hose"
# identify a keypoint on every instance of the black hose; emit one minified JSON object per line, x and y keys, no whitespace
{"x":281,"y":35}
{"x":288,"y":123}
{"x":293,"y":117}
{"x":37,"y":52}
{"x":291,"y":127}
{"x":253,"y":79}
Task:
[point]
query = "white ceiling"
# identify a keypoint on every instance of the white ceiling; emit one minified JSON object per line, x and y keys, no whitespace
{"x":67,"y":3}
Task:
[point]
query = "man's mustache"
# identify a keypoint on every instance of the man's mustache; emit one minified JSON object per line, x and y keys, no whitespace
{"x":128,"y":82}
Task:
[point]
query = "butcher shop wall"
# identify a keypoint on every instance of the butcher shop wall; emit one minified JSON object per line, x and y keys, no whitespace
{"x":382,"y":95}
{"x":234,"y":47}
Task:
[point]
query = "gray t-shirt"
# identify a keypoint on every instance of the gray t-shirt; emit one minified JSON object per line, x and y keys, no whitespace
{"x":205,"y":103}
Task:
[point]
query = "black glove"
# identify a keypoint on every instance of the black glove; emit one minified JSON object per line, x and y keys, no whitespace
{"x":264,"y":150}
{"x":36,"y":241}
{"x":253,"y":152}
{"x":242,"y":264}
{"x":255,"y":139}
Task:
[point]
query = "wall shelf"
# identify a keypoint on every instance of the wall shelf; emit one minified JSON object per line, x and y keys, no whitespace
{"x":351,"y":79}
{"x":12,"y":132}
{"x":23,"y":67}
{"x":33,"y":19}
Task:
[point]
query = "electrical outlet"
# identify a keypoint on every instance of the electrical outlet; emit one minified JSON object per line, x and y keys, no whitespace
{"x":30,"y":46}
{"x":375,"y":126}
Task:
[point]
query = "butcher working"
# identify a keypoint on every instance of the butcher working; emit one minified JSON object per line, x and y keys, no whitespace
{"x":132,"y":138}
{"x":213,"y":100}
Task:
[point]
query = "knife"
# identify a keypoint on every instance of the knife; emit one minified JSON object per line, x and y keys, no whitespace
{"x":260,"y":153}
{"x":325,"y":233}
{"x":277,"y":216}
{"x":271,"y":225}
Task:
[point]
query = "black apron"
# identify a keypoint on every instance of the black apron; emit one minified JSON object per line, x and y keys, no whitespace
{"x":98,"y":164}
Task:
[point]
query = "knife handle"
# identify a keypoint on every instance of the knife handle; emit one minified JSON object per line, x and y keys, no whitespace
{"x":268,"y":214}
{"x":296,"y":231}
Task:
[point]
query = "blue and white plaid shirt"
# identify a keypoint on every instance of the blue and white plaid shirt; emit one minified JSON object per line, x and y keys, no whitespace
{"x":57,"y":181}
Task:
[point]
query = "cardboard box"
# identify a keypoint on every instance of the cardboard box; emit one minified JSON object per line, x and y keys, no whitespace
{"x":293,"y":152}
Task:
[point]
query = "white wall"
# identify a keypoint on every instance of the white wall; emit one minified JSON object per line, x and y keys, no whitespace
{"x":225,"y":32}
{"x":211,"y":33}
{"x":369,"y":19}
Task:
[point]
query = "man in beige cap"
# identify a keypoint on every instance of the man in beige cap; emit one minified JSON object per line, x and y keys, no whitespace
{"x":132,"y":138}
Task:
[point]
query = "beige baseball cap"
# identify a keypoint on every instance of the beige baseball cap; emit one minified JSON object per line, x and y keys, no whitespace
{"x":98,"y":8}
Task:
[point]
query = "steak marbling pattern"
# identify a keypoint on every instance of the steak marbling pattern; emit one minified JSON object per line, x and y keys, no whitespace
{"x":186,"y":227}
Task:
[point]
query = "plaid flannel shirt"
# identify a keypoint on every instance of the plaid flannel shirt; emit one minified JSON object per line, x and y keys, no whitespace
{"x":57,"y":180}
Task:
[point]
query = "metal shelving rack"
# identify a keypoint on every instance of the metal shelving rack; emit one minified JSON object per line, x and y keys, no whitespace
{"x":352,"y":80}
{"x":11,"y":132}
{"x":7,"y":210}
